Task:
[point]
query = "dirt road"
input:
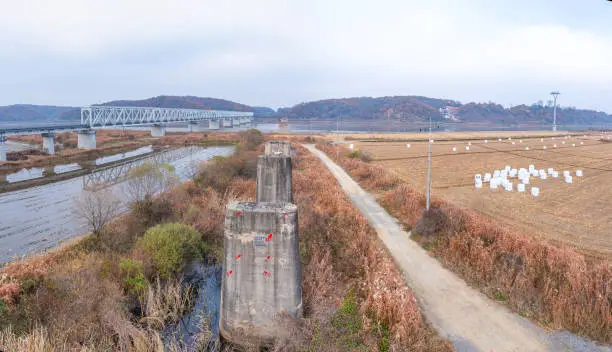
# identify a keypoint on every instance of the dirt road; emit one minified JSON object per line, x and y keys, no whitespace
{"x":460,"y":313}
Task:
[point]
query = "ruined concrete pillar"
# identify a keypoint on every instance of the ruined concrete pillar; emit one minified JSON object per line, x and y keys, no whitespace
{"x":278,"y":148}
{"x":274,"y":179}
{"x":213,"y":125}
{"x":227,"y":122}
{"x":262,"y":276}
{"x":86,"y":139}
{"x":236,"y":121}
{"x":158,"y":130}
{"x":2,"y":147}
{"x":48,"y":142}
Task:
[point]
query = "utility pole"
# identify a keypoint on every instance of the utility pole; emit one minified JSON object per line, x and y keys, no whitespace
{"x":555,"y":95}
{"x":429,"y":166}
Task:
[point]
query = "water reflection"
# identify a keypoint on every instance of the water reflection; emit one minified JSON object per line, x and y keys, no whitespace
{"x":38,"y":218}
{"x":25,"y":174}
{"x":116,"y":157}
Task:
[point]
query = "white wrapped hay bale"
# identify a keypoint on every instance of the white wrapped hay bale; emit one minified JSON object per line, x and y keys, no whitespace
{"x":566,"y":173}
{"x":531,"y":167}
{"x":544,"y":147}
{"x":555,"y":146}
{"x":478,"y":177}
{"x":550,"y":170}
{"x":579,"y":173}
{"x":555,"y":174}
{"x":508,"y":186}
{"x":486,"y":141}
{"x":535,"y":191}
{"x":513,"y":173}
{"x":526,"y":148}
{"x":496,"y":173}
{"x":525,"y":180}
{"x":487,"y":177}
{"x":478,"y":183}
{"x":508,"y":168}
{"x":520,"y":187}
{"x":493,"y":184}
{"x":454,"y":149}
{"x":351,"y":146}
{"x":467,"y":147}
{"x":543,"y":176}
{"x":408,"y":146}
{"x":568,"y":179}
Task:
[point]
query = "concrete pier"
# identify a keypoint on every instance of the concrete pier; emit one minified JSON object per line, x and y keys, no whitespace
{"x":213,"y":125}
{"x":158,"y":130}
{"x":2,"y":148}
{"x":262,"y":276}
{"x":86,"y":139}
{"x":278,"y":148}
{"x":227,"y":122}
{"x":236,"y":121}
{"x":48,"y":142}
{"x":274,"y":179}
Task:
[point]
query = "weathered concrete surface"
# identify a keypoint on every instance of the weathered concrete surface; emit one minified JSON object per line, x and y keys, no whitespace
{"x":278,"y":148}
{"x":48,"y":144}
{"x":227,"y":122}
{"x":262,"y":275}
{"x":460,"y":313}
{"x":274,"y":179}
{"x":86,"y":139}
{"x":158,"y":130}
{"x":214,"y":125}
{"x":2,"y":148}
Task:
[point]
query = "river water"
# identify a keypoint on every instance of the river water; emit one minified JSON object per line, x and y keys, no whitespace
{"x":39,"y":218}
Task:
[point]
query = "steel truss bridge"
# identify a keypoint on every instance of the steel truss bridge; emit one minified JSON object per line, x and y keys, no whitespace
{"x":101,"y":116}
{"x":107,"y":176}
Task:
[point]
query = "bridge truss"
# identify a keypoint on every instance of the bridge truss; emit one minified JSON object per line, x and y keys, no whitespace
{"x":100,"y":116}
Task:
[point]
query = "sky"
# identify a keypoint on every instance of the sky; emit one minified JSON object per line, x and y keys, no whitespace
{"x":281,"y":53}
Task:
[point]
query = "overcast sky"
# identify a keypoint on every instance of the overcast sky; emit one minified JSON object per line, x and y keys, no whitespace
{"x":280,"y":53}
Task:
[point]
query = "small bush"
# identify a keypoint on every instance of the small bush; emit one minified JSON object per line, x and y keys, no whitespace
{"x":170,"y":246}
{"x":358,"y":154}
{"x":432,"y":223}
{"x":134,"y":281}
{"x":152,"y":211}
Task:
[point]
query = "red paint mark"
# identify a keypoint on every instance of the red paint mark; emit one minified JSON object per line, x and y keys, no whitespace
{"x":238,"y":256}
{"x":285,"y":214}
{"x":269,"y":237}
{"x":267,"y":273}
{"x":267,"y":258}
{"x":239,"y":213}
{"x":229,"y":273}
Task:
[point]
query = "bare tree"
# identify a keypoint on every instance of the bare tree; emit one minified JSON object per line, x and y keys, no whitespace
{"x":146,"y":180}
{"x":98,"y":208}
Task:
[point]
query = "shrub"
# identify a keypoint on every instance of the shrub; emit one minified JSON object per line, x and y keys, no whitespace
{"x":432,"y":223}
{"x":170,"y":246}
{"x":134,"y":281}
{"x":152,"y":211}
{"x":251,"y":139}
{"x":358,"y":154}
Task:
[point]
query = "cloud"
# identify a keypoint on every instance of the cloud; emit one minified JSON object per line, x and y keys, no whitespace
{"x":284,"y":52}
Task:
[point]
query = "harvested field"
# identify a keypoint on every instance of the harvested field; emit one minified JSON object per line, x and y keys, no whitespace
{"x":576,"y":214}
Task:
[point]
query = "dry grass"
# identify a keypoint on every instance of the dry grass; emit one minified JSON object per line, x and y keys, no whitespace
{"x":553,"y":285}
{"x":414,"y":136}
{"x":342,"y":255}
{"x":556,"y":215}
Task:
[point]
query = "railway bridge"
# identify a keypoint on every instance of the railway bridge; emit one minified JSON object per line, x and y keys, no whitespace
{"x":96,"y":117}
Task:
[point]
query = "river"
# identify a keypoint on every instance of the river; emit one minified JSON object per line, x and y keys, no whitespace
{"x":39,"y":218}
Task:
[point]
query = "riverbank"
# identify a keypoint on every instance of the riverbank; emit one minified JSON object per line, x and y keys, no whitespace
{"x":120,"y":288}
{"x":108,"y":142}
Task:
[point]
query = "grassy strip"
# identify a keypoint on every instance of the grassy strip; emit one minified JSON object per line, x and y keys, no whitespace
{"x":118,"y":289}
{"x":554,"y":286}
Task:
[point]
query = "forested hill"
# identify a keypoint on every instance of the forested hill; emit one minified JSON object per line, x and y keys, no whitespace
{"x":416,"y":108}
{"x":41,"y":113}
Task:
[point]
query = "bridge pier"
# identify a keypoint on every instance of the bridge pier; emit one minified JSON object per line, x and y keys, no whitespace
{"x":48,"y":142}
{"x":86,"y":139}
{"x":262,"y":277}
{"x":227,"y":122}
{"x":278,"y":148}
{"x":213,"y":125}
{"x":2,"y":147}
{"x":158,"y":130}
{"x":236,"y":122}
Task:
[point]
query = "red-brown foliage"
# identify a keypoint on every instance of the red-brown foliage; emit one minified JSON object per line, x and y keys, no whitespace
{"x":553,"y":285}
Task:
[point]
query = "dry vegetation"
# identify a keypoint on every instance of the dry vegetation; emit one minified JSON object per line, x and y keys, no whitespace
{"x":554,"y":286}
{"x":116,"y":289}
{"x":577,"y":214}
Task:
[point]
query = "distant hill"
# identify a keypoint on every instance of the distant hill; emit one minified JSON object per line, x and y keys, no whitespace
{"x":417,"y":108}
{"x":186,"y":102}
{"x":32,"y":113}
{"x":398,"y":108}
